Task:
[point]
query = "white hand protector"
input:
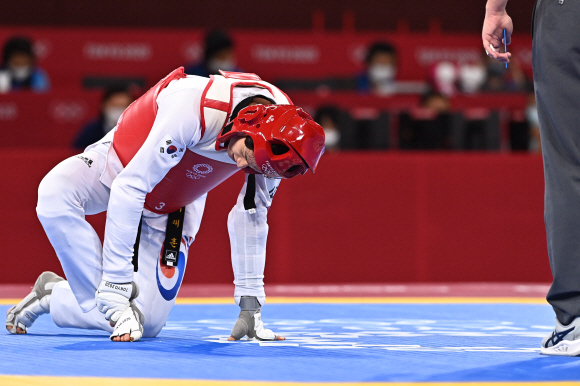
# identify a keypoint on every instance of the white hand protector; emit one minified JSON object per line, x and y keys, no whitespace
{"x":113,"y":299}
{"x":250,"y":321}
{"x":130,"y":322}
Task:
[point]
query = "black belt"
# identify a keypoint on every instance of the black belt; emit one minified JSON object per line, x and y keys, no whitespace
{"x":173,"y":232}
{"x":135,"y":260}
{"x":249,"y":198}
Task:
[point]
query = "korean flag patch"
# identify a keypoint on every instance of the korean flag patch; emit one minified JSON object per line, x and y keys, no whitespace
{"x":169,"y":148}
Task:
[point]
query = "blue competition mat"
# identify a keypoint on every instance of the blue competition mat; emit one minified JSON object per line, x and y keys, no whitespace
{"x":325,"y":343}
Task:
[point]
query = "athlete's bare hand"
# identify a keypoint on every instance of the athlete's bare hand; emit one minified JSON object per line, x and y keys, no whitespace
{"x":19,"y":331}
{"x":492,"y":34}
{"x":123,"y":338}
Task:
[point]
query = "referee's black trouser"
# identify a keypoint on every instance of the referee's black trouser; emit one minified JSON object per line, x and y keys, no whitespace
{"x":556,"y":62}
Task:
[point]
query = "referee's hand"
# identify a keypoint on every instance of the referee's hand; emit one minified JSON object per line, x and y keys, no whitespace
{"x":492,"y":34}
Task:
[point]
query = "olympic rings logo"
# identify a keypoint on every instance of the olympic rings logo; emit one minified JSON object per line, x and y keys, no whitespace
{"x":202,"y":168}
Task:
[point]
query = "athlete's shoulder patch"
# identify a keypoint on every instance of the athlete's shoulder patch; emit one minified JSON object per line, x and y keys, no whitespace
{"x":169,"y":148}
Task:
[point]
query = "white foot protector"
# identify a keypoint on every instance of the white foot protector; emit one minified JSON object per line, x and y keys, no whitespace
{"x":261,"y":333}
{"x":36,"y":303}
{"x":252,"y":326}
{"x":130,"y":322}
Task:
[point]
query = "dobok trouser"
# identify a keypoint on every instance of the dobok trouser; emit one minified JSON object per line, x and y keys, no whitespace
{"x":68,"y":193}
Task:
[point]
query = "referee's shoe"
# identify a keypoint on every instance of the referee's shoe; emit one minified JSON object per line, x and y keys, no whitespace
{"x":564,"y":340}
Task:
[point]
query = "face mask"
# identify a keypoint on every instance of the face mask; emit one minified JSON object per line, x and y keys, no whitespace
{"x":445,"y":73}
{"x":445,"y":77}
{"x":381,"y":73}
{"x":21,"y":73}
{"x":112,"y":115}
{"x":4,"y":81}
{"x":214,"y":65}
{"x":472,"y":78}
{"x":331,"y":137}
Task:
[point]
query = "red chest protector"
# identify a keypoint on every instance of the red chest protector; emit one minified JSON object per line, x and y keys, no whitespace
{"x":191,"y":178}
{"x":194,"y":175}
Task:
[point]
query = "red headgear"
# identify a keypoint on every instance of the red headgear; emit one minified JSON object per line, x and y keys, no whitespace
{"x":280,"y":124}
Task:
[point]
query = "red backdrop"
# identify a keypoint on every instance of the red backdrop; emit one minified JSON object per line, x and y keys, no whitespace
{"x":363,"y":217}
{"x":53,"y":119}
{"x":68,"y":55}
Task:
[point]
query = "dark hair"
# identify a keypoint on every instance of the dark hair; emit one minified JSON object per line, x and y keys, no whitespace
{"x":431,"y":94}
{"x":216,"y":41}
{"x":379,"y":47}
{"x":113,"y":90}
{"x":327,"y":111}
{"x":249,"y":142}
{"x":14,"y":45}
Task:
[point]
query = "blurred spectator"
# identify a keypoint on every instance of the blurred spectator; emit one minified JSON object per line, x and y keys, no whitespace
{"x":381,"y":70}
{"x":472,"y":76}
{"x":19,"y":70}
{"x":485,"y":74}
{"x":429,"y":126}
{"x":443,"y":77}
{"x":328,"y":118}
{"x":115,"y":101}
{"x":219,"y":54}
{"x":532,"y":119}
{"x":435,"y":102}
{"x":502,"y":79}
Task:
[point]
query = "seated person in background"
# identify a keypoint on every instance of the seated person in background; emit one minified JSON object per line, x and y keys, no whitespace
{"x":381,"y":70}
{"x":428,"y":126}
{"x":472,"y":75}
{"x":18,"y":70}
{"x":219,"y":54}
{"x":115,"y":101}
{"x":442,"y":78}
{"x":501,"y":79}
{"x":435,"y":102}
{"x":327,"y":117}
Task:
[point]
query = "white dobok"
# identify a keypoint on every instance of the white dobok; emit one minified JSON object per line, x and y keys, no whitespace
{"x":96,"y":181}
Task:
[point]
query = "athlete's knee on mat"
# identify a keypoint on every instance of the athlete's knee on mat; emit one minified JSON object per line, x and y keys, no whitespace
{"x":151,"y":331}
{"x":154,"y":323}
{"x":61,"y":300}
